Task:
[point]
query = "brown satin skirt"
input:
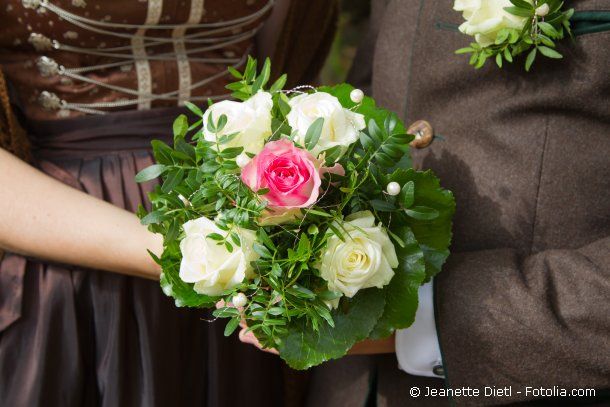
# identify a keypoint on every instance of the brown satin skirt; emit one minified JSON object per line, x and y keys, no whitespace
{"x":76,"y":337}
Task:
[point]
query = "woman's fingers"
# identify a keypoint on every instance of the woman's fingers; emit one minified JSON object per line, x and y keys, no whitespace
{"x":248,"y":337}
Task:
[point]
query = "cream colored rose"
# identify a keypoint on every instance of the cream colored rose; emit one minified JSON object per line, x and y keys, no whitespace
{"x":211,"y":266}
{"x":485,"y":18}
{"x":366,"y":258}
{"x":341,"y":126}
{"x":251,"y":120}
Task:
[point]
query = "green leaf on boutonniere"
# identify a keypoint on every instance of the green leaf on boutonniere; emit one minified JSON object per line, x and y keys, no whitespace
{"x":530,"y":59}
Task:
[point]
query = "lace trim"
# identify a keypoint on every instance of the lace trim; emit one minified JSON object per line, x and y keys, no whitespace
{"x":153,"y":15}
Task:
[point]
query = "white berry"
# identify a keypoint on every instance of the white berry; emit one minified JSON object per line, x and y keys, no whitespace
{"x":543,"y":10}
{"x":242,"y":160}
{"x":393,"y":188}
{"x":356,"y":95}
{"x":239,"y":300}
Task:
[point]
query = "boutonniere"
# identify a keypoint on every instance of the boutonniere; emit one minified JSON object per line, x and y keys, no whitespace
{"x":503,"y":29}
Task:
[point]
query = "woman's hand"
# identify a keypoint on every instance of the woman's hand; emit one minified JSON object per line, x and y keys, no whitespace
{"x":248,"y":337}
{"x":366,"y":347}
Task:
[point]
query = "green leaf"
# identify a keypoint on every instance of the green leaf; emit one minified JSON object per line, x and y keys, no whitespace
{"x":231,"y":326}
{"x":522,"y":4}
{"x":313,"y":133}
{"x":422,"y":213}
{"x":401,"y":294}
{"x":434,"y":236}
{"x":549,"y":52}
{"x":193,"y":108}
{"x":222,"y":122}
{"x":153,"y":217}
{"x":502,"y":36}
{"x":499,"y":60}
{"x":407,"y":194}
{"x":234,"y":72}
{"x":162,"y":152}
{"x":303,"y":347}
{"x":519,"y":11}
{"x":180,"y":126}
{"x":465,"y":50}
{"x":530,"y":59}
{"x":174,"y":177}
{"x":150,"y":173}
{"x":262,"y":250}
{"x":548,"y":29}
{"x":382,"y":206}
{"x":263,"y":78}
{"x":278,"y":84}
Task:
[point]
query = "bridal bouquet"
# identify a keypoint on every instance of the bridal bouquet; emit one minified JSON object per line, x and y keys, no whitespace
{"x":298,"y":211}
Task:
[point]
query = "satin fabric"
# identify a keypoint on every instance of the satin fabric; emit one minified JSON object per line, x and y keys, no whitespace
{"x":78,"y":337}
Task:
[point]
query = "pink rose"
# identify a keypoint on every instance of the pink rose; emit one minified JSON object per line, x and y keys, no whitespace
{"x":292,"y":175}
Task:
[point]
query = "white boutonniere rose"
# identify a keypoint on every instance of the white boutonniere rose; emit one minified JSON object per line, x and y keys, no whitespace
{"x":485,"y":18}
{"x":250,"y":120}
{"x":365,"y":259}
{"x":211,"y":266}
{"x":341,"y":126}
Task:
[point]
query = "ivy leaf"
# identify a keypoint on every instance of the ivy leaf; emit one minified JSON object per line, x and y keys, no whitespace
{"x":401,"y":295}
{"x":313,"y":133}
{"x":433,"y":235}
{"x":303,"y":348}
{"x":150,"y":173}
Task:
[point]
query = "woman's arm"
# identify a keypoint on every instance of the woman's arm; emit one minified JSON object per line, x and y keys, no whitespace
{"x":43,"y":218}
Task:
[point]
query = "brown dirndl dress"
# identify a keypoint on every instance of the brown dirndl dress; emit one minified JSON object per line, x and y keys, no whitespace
{"x":77,"y":337}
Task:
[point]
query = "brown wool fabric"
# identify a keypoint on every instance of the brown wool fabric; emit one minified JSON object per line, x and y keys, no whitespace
{"x":524,"y":297}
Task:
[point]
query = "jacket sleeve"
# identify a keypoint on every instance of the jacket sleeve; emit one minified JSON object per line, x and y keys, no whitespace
{"x":539,"y":321}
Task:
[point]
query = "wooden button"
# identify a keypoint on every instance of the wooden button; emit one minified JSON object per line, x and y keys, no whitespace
{"x":423,"y":132}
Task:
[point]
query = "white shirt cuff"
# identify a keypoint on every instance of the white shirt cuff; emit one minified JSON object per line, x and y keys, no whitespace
{"x":417,"y":348}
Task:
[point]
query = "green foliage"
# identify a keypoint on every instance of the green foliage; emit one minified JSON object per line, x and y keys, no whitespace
{"x":538,"y":36}
{"x":288,"y":300}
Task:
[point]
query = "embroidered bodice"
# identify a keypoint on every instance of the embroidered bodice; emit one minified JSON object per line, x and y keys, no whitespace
{"x":72,"y":57}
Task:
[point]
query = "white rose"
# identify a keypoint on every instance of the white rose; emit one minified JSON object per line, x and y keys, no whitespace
{"x":341,"y":126}
{"x":366,"y":258}
{"x":211,"y":266}
{"x":251,"y":120}
{"x":484,"y":18}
